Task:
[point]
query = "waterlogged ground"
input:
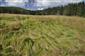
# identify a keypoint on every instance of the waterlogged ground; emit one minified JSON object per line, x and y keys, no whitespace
{"x":22,"y":35}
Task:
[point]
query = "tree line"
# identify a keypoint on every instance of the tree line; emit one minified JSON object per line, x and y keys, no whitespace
{"x":76,"y":9}
{"x":73,"y":9}
{"x":14,"y":10}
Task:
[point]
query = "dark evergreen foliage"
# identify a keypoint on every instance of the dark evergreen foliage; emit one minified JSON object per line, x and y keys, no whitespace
{"x":77,"y":9}
{"x":14,"y":10}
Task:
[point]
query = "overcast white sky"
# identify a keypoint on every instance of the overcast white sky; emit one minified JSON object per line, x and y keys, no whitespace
{"x":41,"y":3}
{"x":51,"y":2}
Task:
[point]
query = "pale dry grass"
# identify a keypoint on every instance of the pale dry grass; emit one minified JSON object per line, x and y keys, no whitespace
{"x":28,"y":35}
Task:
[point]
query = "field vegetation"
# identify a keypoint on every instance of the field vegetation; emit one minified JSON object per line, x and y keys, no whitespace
{"x":28,"y":35}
